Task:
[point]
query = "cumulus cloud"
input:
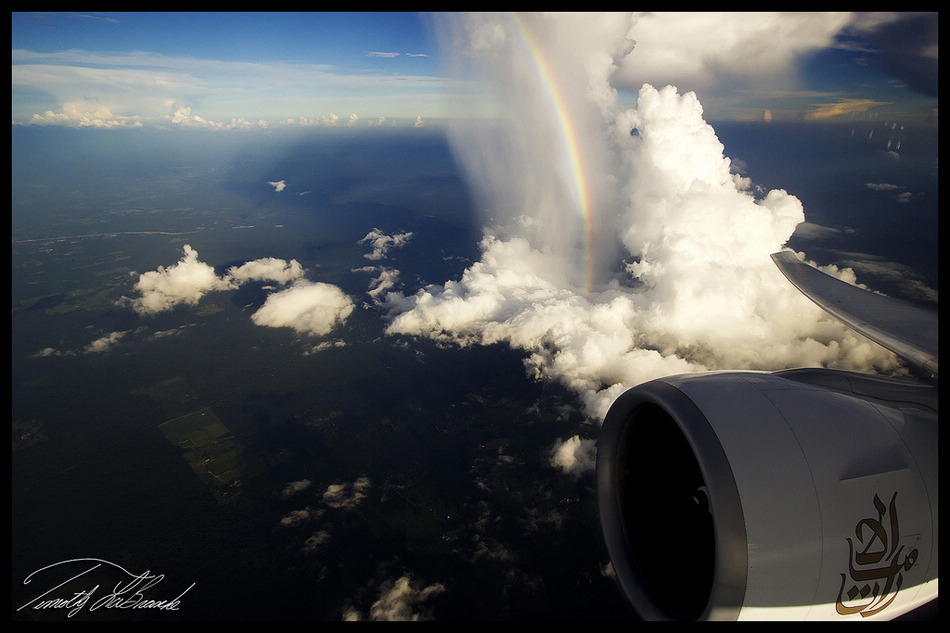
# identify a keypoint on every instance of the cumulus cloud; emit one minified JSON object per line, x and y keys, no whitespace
{"x":574,"y":455}
{"x":294,"y":487}
{"x":296,"y":518}
{"x":185,"y":282}
{"x":346,"y":496}
{"x":698,"y":50}
{"x":190,"y":279}
{"x":386,"y":280}
{"x":697,"y":289}
{"x":311,"y":308}
{"x":82,"y":115}
{"x":278,"y":185}
{"x":104,"y":343}
{"x":182,"y":117}
{"x":307,"y":307}
{"x":266,"y":269}
{"x":733,"y":59}
{"x":315,"y":541}
{"x":100,"y":345}
{"x":382,"y":244}
{"x":51,"y":351}
{"x":399,"y":600}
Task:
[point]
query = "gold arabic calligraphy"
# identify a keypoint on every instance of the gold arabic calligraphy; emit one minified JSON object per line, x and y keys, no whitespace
{"x":879,"y":562}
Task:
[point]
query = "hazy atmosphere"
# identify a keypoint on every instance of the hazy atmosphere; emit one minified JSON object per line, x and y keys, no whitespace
{"x":317,"y":316}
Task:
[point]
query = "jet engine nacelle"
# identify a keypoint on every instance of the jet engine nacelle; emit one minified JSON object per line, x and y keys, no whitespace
{"x":805,"y":494}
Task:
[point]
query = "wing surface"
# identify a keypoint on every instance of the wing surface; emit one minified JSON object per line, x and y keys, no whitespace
{"x":908,"y":331}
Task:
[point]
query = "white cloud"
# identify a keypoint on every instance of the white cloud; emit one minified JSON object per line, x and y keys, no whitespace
{"x":811,"y":231}
{"x":85,"y":115}
{"x":346,"y":496}
{"x":699,"y":290}
{"x":900,"y":195}
{"x":697,"y":51}
{"x":383,"y":243}
{"x":139,"y":86}
{"x":296,"y":518}
{"x":183,"y":118}
{"x":315,"y":541}
{"x":266,"y":269}
{"x":323,"y":346}
{"x":307,"y":307}
{"x":278,"y":185}
{"x":385,"y":281}
{"x":185,"y":282}
{"x":311,"y":308}
{"x":104,"y":343}
{"x":399,"y":600}
{"x":881,"y":186}
{"x":50,"y":351}
{"x":574,"y":455}
{"x":294,"y":487}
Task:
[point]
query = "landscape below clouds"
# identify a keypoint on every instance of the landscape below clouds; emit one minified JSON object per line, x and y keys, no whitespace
{"x":352,"y":374}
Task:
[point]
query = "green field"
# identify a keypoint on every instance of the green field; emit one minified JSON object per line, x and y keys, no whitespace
{"x":210,"y":449}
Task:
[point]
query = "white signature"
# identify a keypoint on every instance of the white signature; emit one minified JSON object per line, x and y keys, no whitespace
{"x":128,"y":593}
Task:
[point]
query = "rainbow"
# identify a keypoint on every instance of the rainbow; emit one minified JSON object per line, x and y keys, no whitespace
{"x":569,"y":140}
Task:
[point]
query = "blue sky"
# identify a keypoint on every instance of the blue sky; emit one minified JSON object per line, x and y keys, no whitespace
{"x":339,"y":39}
{"x":254,"y":69}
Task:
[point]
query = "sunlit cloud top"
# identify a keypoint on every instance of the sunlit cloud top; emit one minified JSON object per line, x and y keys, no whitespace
{"x":790,"y":66}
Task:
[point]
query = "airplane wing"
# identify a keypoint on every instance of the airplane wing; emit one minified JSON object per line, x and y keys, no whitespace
{"x":908,"y":331}
{"x":698,"y":458}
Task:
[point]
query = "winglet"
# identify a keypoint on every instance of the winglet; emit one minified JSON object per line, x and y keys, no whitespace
{"x":908,"y":331}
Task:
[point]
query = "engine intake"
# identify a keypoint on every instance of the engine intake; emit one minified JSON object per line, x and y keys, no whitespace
{"x":745,"y":495}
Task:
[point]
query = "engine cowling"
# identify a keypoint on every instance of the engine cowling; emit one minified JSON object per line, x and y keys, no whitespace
{"x":806,"y":494}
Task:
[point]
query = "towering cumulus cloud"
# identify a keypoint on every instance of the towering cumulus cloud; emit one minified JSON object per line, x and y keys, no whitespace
{"x":619,"y":245}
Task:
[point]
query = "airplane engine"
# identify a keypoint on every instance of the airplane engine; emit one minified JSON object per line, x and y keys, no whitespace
{"x":802,"y":494}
